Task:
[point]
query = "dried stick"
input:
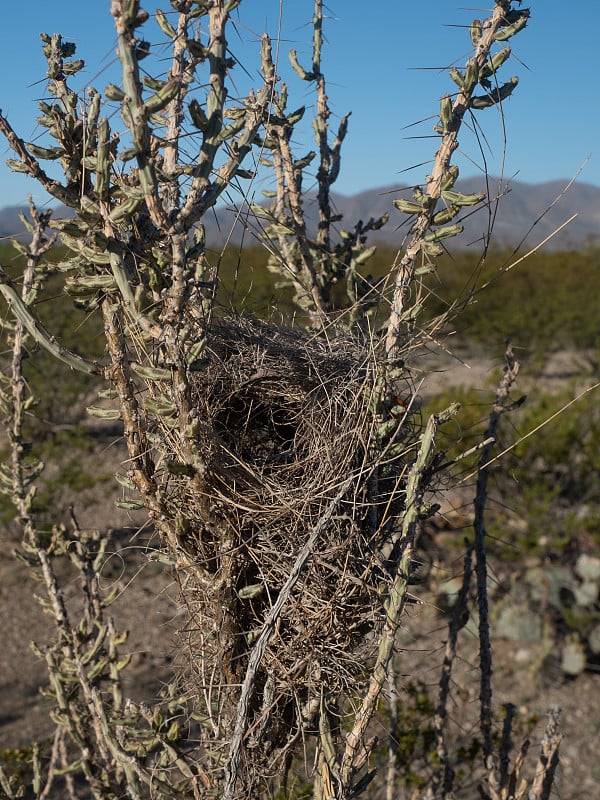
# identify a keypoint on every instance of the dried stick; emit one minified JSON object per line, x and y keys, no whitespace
{"x":509,"y":377}
{"x":443,"y":777}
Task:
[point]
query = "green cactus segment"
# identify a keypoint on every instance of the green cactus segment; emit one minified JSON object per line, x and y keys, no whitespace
{"x":152,"y":373}
{"x":495,"y":96}
{"x":102,"y":184}
{"x":47,"y":153}
{"x":162,"y":97}
{"x":37,"y":331}
{"x":407,"y":206}
{"x":517,"y":21}
{"x":493,"y":65}
{"x":458,"y":199}
{"x":475,"y":32}
{"x":446,"y":215}
{"x":449,"y":178}
{"x":164,"y":24}
{"x":443,"y":233}
{"x":104,"y":413}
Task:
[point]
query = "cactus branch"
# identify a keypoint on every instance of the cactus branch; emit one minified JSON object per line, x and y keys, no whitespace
{"x":443,"y":776}
{"x":215,"y":103}
{"x":32,"y":167}
{"x":397,"y":597}
{"x":182,"y":71}
{"x":134,"y":431}
{"x":452,"y":113}
{"x":511,"y":370}
{"x":135,"y":113}
{"x":39,"y":332}
{"x":20,"y":494}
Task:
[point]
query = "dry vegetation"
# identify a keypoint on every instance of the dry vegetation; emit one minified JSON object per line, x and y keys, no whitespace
{"x":286,"y":470}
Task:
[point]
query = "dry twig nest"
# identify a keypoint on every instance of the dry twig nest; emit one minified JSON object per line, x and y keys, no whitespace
{"x":290,"y":418}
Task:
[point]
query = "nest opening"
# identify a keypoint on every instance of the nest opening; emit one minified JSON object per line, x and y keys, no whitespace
{"x":261,"y":433}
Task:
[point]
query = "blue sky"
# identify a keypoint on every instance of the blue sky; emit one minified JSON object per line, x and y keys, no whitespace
{"x":386,"y":66}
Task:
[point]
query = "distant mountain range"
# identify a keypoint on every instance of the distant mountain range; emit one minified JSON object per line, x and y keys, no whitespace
{"x":545,"y":206}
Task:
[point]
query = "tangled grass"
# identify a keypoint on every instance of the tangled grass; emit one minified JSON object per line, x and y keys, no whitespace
{"x":295,"y":432}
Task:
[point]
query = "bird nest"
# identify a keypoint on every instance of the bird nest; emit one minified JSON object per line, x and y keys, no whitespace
{"x":294,"y":440}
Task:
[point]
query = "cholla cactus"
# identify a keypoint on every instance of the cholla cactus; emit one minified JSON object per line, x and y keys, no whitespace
{"x":285,"y":470}
{"x":313,"y":264}
{"x":433,"y":225}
